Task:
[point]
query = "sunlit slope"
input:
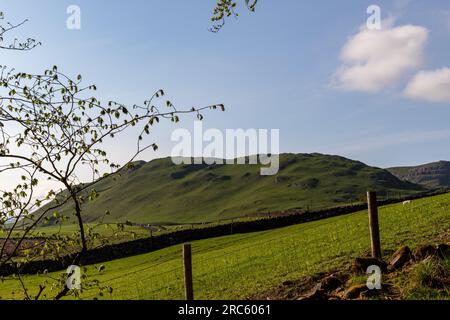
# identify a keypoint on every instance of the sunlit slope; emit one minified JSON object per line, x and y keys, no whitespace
{"x":161,"y":192}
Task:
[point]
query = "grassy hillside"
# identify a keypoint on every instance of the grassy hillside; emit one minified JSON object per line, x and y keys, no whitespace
{"x":110,"y":231}
{"x":431,"y":175}
{"x":161,"y":192}
{"x":243,"y":265}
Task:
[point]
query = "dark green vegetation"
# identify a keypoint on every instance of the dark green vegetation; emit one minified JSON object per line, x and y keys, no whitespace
{"x":244,"y":265}
{"x":431,"y":175}
{"x":160,"y":192}
{"x":428,"y":280}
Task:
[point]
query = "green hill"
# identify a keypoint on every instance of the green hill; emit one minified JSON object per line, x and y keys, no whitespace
{"x":431,"y":175}
{"x":161,"y":192}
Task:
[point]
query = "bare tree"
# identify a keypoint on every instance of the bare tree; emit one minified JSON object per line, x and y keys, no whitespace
{"x":15,"y":44}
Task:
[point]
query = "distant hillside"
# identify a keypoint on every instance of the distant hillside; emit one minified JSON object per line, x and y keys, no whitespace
{"x":161,"y":192}
{"x":431,"y":175}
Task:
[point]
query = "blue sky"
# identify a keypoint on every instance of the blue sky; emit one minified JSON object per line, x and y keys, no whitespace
{"x":272,"y":69}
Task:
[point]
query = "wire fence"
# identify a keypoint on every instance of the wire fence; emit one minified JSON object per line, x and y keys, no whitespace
{"x":387,"y":196}
{"x":240,"y":266}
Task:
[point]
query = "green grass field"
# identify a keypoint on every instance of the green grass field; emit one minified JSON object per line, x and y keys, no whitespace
{"x":242,"y":265}
{"x":108,"y":231}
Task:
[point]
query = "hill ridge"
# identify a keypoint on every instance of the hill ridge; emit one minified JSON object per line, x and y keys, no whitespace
{"x":431,"y":175}
{"x":160,"y":192}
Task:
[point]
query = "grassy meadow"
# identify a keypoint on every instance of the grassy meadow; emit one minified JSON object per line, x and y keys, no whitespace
{"x":112,"y":232}
{"x":241,"y":265}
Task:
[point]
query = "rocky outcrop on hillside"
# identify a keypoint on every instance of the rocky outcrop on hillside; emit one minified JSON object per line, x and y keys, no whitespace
{"x":432,"y":175}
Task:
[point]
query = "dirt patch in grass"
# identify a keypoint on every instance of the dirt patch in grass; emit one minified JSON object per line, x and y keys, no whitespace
{"x":424,"y":275}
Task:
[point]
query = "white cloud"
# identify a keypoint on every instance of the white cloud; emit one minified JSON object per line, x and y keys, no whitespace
{"x":373,"y":60}
{"x":432,"y":86}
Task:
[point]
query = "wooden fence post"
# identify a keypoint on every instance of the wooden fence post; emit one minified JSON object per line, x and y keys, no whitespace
{"x":187,"y":261}
{"x":373,"y":224}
